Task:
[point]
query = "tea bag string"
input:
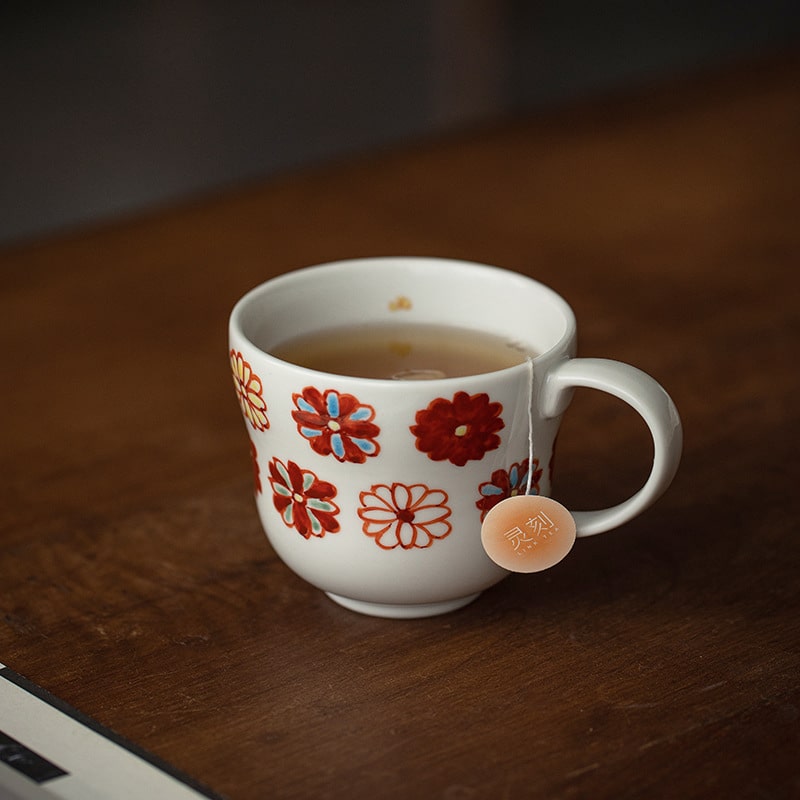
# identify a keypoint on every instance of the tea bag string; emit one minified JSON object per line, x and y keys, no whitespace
{"x":529,"y":482}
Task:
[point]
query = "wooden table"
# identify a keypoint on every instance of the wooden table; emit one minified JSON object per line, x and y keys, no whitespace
{"x":659,"y":660}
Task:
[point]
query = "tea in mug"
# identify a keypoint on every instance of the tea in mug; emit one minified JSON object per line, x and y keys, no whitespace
{"x":402,"y":351}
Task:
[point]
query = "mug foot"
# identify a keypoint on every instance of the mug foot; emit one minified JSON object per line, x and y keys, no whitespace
{"x":403,"y":610}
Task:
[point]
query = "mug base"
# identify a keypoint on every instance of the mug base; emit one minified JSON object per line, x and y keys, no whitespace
{"x":402,"y":610}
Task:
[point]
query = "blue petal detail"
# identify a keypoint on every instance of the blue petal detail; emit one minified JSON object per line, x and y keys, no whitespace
{"x":310,"y":433}
{"x":360,"y":413}
{"x":304,"y":405}
{"x":364,"y":445}
{"x":337,"y":445}
{"x":332,"y":401}
{"x":320,"y":505}
{"x":316,"y":525}
{"x":490,"y":490}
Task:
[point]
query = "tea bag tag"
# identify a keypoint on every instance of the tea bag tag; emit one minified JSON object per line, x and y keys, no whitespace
{"x":528,"y":533}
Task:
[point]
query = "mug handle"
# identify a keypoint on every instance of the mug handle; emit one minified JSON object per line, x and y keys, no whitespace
{"x":645,"y":396}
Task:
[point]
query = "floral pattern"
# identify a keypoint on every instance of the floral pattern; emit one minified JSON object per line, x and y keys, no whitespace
{"x":336,"y":424}
{"x":248,"y":390}
{"x":459,"y":430}
{"x":508,"y":483}
{"x":256,"y":468}
{"x":404,"y":516}
{"x":304,"y":502}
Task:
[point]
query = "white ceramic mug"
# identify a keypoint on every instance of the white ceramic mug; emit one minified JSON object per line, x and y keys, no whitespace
{"x":374,"y":490}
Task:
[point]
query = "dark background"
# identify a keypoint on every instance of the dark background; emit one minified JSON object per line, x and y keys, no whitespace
{"x":109,"y":109}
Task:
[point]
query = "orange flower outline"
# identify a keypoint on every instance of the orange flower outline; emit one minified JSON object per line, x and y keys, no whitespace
{"x":406,"y":516}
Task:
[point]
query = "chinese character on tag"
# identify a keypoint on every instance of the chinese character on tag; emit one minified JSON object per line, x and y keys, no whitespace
{"x":528,"y":533}
{"x":542,"y":526}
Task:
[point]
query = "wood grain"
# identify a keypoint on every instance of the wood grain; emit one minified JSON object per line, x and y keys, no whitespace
{"x":661,"y":660}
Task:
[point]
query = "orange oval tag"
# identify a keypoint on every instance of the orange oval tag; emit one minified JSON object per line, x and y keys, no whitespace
{"x":528,"y":533}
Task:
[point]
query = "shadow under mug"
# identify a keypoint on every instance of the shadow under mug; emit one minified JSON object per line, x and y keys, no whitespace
{"x":375,"y":490}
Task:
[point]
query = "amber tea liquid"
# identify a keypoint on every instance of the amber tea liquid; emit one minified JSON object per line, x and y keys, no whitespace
{"x":402,"y":351}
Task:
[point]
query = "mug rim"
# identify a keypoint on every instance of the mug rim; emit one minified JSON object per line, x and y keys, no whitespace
{"x":562,"y":344}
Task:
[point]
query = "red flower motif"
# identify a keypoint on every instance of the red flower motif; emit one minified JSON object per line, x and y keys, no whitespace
{"x":404,"y":516}
{"x":256,"y":468}
{"x":304,"y":502}
{"x":460,"y":429}
{"x":509,"y":483}
{"x":336,"y":424}
{"x":248,"y":390}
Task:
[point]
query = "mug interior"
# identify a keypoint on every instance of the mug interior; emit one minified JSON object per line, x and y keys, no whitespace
{"x":404,"y":289}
